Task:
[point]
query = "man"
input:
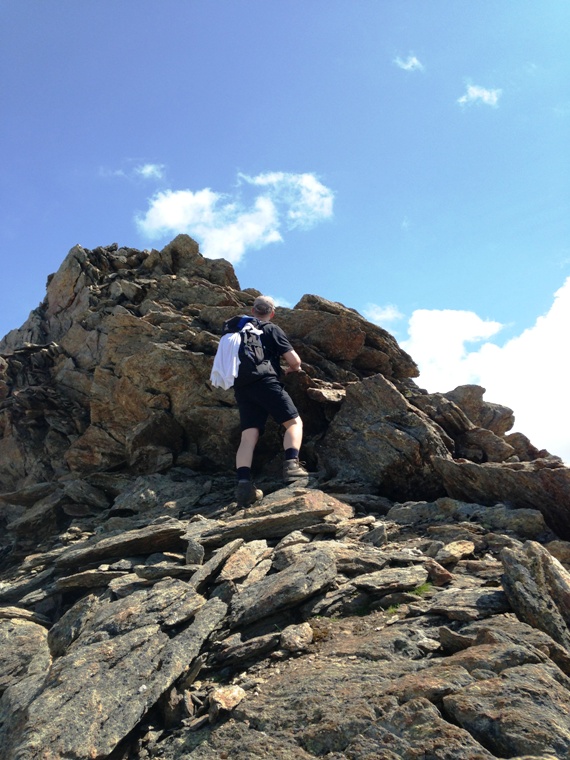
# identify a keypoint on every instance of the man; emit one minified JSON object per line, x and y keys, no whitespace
{"x":260,"y":394}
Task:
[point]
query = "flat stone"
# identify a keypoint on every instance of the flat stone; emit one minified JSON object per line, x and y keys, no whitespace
{"x":242,"y":562}
{"x":291,"y":586}
{"x":391,"y":580}
{"x":153,"y":538}
{"x":469,"y":604}
{"x":88,"y":579}
{"x":454,"y":551}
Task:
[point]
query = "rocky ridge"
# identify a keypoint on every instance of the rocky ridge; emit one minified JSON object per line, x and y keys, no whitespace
{"x":410,"y":600}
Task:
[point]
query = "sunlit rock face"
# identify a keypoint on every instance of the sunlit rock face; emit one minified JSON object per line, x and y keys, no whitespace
{"x":410,"y":598}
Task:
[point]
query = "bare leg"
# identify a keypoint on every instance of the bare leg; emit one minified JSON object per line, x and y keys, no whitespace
{"x":249,"y":439}
{"x":293,"y":437}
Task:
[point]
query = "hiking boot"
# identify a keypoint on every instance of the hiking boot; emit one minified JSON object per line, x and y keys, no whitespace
{"x":293,"y":470}
{"x":247,"y":493}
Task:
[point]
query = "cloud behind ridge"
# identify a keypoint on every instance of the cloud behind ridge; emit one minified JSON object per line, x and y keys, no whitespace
{"x":227,"y":226}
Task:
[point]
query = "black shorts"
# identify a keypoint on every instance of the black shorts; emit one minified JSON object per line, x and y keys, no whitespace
{"x":258,"y":400}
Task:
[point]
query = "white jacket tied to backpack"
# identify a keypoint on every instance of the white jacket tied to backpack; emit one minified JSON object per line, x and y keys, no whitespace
{"x":226,"y":362}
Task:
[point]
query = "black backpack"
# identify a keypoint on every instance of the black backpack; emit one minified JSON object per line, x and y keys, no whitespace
{"x":253,"y":361}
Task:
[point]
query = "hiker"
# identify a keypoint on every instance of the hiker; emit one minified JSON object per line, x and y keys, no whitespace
{"x":259,"y":394}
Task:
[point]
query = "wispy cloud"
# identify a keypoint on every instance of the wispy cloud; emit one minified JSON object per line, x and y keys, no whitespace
{"x":381,"y":315}
{"x":525,"y":373}
{"x":410,"y":64}
{"x":134,"y":170}
{"x":229,"y":225}
{"x":279,"y":301}
{"x":477,"y":94}
{"x":150,"y":171}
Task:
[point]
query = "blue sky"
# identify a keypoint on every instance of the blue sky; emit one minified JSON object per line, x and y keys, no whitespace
{"x":409,"y":159}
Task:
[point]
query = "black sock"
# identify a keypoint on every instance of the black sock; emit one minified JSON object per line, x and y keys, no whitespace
{"x":244,"y":473}
{"x":291,"y":453}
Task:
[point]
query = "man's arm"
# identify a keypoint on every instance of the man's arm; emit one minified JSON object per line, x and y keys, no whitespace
{"x":293,"y":361}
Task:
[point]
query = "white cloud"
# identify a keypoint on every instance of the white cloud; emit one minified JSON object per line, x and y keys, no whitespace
{"x":410,"y":64}
{"x":279,"y":301}
{"x":437,"y":344}
{"x":228,"y":226}
{"x":150,"y":171}
{"x":528,"y":373}
{"x":379,"y":315}
{"x":307,"y":199}
{"x":476,"y":94}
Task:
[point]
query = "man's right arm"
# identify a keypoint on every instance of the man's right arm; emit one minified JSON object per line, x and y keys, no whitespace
{"x":293,"y":361}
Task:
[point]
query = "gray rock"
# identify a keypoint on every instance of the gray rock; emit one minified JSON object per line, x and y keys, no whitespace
{"x":23,"y":650}
{"x":378,"y":435}
{"x":526,"y":709}
{"x":538,"y":588}
{"x":154,"y":538}
{"x":391,"y":580}
{"x":469,"y":604}
{"x":123,"y":674}
{"x":291,"y":586}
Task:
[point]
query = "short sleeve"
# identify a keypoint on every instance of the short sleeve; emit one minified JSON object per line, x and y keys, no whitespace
{"x":276,"y":340}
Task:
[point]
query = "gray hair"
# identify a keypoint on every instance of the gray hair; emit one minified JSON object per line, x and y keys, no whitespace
{"x":264,"y":305}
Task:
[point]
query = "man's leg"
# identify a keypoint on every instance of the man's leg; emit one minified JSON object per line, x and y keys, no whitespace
{"x":246,"y":492}
{"x":293,"y":437}
{"x":292,"y":440}
{"x":244,"y":455}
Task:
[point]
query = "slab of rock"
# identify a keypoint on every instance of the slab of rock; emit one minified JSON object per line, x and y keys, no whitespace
{"x":391,"y":580}
{"x":242,"y":562}
{"x":165,"y":570}
{"x":18,"y":588}
{"x":469,"y":604}
{"x":481,"y":445}
{"x":529,"y":523}
{"x":153,"y":538}
{"x":23,"y":650}
{"x":538,"y":588}
{"x":542,"y":485}
{"x":378,"y":436}
{"x":351,"y":559}
{"x":309,"y":575}
{"x":210,"y":569}
{"x":469,"y":398}
{"x":234,"y":651}
{"x":271,"y":526}
{"x":454,"y":551}
{"x":87,"y":579}
{"x":526,"y":709}
{"x":121,"y":673}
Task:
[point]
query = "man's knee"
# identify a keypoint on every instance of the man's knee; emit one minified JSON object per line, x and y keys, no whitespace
{"x":251,"y":435}
{"x":294,"y":421}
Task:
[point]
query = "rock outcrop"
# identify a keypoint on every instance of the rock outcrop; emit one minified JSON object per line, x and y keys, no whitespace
{"x":411,"y":599}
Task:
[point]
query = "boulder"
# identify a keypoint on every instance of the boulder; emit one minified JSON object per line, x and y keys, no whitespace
{"x":378,"y":437}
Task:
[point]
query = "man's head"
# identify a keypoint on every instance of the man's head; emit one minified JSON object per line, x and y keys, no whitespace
{"x":263,"y":307}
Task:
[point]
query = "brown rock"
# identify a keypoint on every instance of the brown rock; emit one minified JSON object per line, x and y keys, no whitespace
{"x":377,"y":436}
{"x":454,"y":551}
{"x":438,"y":575}
{"x":542,"y":484}
{"x":483,"y":414}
